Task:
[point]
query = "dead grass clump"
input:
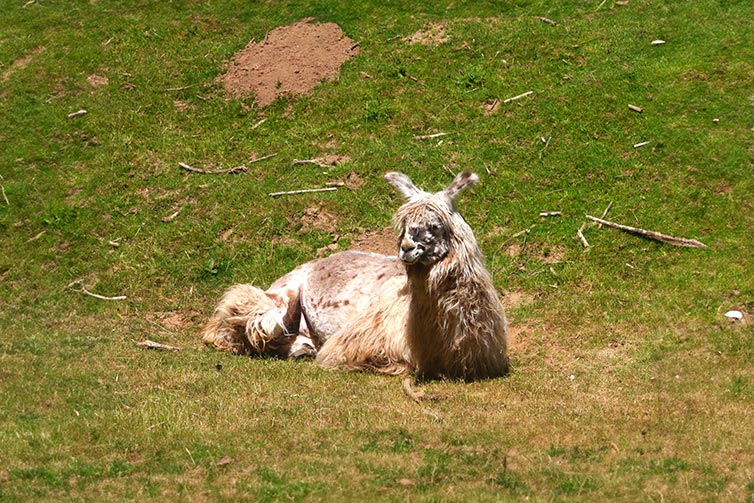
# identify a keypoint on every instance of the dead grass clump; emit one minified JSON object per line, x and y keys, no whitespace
{"x":434,"y":34}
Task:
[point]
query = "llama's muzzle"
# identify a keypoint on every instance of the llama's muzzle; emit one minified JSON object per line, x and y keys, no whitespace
{"x":410,"y":252}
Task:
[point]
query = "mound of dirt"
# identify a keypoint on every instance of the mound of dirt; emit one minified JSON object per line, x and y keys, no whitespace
{"x":291,"y":60}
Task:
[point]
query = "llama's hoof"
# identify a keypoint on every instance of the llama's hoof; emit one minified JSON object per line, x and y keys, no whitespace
{"x":302,"y":347}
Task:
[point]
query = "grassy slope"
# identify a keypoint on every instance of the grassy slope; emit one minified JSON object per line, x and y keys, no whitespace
{"x":657,"y":401}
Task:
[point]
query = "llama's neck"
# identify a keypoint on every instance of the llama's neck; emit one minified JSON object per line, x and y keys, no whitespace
{"x":454,"y":307}
{"x":446,"y":297}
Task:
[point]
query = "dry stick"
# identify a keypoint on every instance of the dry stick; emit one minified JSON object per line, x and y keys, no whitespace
{"x":521,"y":233}
{"x":547,"y":144}
{"x":514,"y":98}
{"x":156,"y":345}
{"x":4,"y":196}
{"x":77,"y":113}
{"x":548,"y":21}
{"x":302,"y":191}
{"x":580,"y":234}
{"x":173,"y":89}
{"x":636,"y":109}
{"x":172,"y":216}
{"x":663,"y":238}
{"x":36,"y":237}
{"x":237,"y":169}
{"x":263,"y":158}
{"x":604,"y":213}
{"x":416,"y":396}
{"x":549,"y":213}
{"x":316,"y":161}
{"x":641,"y":144}
{"x":258,"y":124}
{"x":102,"y":297}
{"x":430,"y":136}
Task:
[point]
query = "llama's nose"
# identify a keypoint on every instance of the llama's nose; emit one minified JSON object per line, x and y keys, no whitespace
{"x":407,"y":246}
{"x":410,"y":251}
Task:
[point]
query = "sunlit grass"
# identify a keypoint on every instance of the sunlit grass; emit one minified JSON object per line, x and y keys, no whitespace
{"x":627,"y":381}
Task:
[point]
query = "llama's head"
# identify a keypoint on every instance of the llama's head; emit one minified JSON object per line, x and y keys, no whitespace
{"x":428,"y":224}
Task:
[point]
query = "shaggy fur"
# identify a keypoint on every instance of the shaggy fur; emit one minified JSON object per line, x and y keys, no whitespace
{"x":432,"y":310}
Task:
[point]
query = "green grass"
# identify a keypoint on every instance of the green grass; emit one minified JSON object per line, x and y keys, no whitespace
{"x":627,"y":382}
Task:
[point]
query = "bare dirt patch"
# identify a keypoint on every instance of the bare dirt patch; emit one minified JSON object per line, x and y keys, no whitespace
{"x":291,"y":60}
{"x":384,"y":241}
{"x":353,"y":181}
{"x":20,"y":63}
{"x":516,"y":298}
{"x":317,"y":217}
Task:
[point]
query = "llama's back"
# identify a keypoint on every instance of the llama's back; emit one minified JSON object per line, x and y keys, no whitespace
{"x":338,"y":288}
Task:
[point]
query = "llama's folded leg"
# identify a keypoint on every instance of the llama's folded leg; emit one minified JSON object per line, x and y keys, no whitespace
{"x":247,"y":320}
{"x":376,"y":339}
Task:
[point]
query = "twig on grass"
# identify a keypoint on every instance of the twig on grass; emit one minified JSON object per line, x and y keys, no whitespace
{"x":641,"y":144}
{"x":238,"y":169}
{"x":316,"y":161}
{"x":548,"y":21}
{"x":258,"y":124}
{"x":172,"y":216}
{"x":604,"y":213}
{"x":514,"y":98}
{"x":36,"y":237}
{"x":155,"y":345}
{"x":550,"y":213}
{"x":173,"y":89}
{"x":263,"y":158}
{"x":102,"y":297}
{"x":302,"y":191}
{"x":663,"y":238}
{"x":2,"y":189}
{"x":77,"y":113}
{"x":636,"y":109}
{"x":580,"y":234}
{"x":521,"y":233}
{"x":547,"y":144}
{"x":430,"y":136}
{"x":91,"y":294}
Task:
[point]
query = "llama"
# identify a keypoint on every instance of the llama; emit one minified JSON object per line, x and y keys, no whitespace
{"x":431,"y":311}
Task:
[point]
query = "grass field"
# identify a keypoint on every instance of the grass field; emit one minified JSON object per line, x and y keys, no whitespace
{"x":628,"y":383}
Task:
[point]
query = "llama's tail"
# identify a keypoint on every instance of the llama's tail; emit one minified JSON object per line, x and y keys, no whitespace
{"x":245,"y":321}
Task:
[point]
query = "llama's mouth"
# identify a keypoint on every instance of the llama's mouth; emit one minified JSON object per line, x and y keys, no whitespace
{"x":411,"y":257}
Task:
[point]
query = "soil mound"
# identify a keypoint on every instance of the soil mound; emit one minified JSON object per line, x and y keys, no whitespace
{"x":291,"y":60}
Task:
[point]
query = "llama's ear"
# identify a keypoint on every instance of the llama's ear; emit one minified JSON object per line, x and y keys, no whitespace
{"x":459,"y":184}
{"x":403,"y":183}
